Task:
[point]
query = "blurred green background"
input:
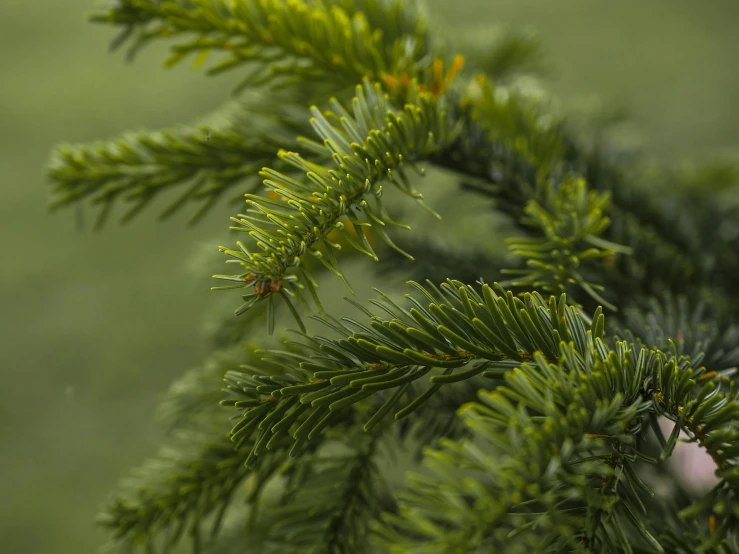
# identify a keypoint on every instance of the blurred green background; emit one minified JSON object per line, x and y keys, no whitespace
{"x":93,"y":327}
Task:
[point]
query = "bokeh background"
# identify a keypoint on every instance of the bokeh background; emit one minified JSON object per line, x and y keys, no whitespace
{"x":94,"y":326}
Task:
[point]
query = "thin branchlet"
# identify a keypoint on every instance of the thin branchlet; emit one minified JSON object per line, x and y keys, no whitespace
{"x":372,"y":143}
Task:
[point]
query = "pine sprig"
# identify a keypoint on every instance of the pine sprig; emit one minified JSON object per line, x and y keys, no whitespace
{"x":565,"y":221}
{"x":347,"y":474}
{"x":193,"y":478}
{"x":373,"y":143}
{"x":662,"y":229}
{"x":505,"y":156}
{"x":352,"y":493}
{"x":694,"y":328}
{"x":569,"y":221}
{"x":530,"y":505}
{"x":669,"y":235}
{"x":519,"y":123}
{"x":138,"y":167}
{"x":187,"y":489}
{"x":578,"y":423}
{"x":458,"y":335}
{"x":601,"y":390}
{"x":301,"y":40}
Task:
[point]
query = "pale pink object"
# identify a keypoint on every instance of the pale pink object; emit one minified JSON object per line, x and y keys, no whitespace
{"x":691,"y":461}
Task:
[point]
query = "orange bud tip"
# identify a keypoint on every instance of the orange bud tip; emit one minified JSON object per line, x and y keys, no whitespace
{"x":438,"y":66}
{"x":390,"y":81}
{"x":707,"y":375}
{"x":457,"y":64}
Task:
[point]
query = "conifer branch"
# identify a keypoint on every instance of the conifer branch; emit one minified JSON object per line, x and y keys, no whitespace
{"x":195,"y":477}
{"x":303,"y":40}
{"x":664,"y":234}
{"x":663,"y":231}
{"x":549,"y":458}
{"x":373,"y":143}
{"x":695,"y":329}
{"x":197,"y":474}
{"x":188,"y":487}
{"x":138,"y":167}
{"x":564,"y":220}
{"x":569,"y":220}
{"x":352,"y":493}
{"x":518,"y":122}
{"x":350,"y":484}
{"x":509,"y":154}
{"x":613,"y":389}
{"x":459,"y":331}
{"x":554,"y":451}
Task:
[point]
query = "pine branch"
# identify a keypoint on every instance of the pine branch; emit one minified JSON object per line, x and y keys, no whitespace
{"x":548,"y":459}
{"x":192,"y":479}
{"x":138,"y":167}
{"x":350,"y":484}
{"x":697,"y":330}
{"x":459,"y":331}
{"x":564,"y":221}
{"x":192,"y":483}
{"x":493,"y":334}
{"x":553,"y":453}
{"x":352,"y":493}
{"x":569,"y":220}
{"x":372,"y":144}
{"x":519,"y":123}
{"x":298,"y":40}
{"x":508,"y":154}
{"x":534,"y":504}
{"x":199,"y":470}
{"x":668,"y":233}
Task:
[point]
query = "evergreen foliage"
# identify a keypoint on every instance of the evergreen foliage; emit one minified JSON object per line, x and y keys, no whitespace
{"x":210,"y":158}
{"x":528,"y":408}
